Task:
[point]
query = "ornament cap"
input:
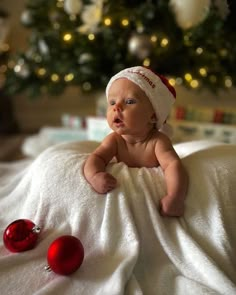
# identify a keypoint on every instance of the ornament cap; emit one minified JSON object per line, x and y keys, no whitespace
{"x":36,"y":229}
{"x":47,"y":268}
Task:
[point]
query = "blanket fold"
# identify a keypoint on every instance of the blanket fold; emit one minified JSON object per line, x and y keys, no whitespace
{"x":129,"y":248}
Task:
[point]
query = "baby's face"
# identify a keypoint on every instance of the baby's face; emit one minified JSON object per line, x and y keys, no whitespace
{"x":129,"y":109}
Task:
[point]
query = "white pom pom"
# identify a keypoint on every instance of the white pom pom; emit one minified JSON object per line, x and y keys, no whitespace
{"x":190,"y":13}
{"x":72,"y":6}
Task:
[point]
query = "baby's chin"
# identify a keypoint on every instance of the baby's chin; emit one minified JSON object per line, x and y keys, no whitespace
{"x":119,"y":131}
{"x":118,"y":128}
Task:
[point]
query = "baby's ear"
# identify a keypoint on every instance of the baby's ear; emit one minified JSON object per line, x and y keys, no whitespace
{"x":153,"y":118}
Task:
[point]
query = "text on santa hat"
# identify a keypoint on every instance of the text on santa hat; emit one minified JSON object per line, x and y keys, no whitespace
{"x":145,"y":77}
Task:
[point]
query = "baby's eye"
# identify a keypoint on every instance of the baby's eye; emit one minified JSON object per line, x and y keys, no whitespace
{"x":130,"y":101}
{"x":111,"y":102}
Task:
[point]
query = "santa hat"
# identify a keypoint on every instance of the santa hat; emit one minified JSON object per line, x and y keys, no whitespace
{"x":157,"y":88}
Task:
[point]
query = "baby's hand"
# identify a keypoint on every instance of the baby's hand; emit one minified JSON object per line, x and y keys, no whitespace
{"x":173,"y":207}
{"x":103,"y":182}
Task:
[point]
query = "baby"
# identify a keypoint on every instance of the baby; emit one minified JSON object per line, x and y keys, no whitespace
{"x":139,"y":102}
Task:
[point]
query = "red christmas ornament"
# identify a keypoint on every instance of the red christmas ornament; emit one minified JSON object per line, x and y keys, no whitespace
{"x":65,"y":255}
{"x":21,"y":235}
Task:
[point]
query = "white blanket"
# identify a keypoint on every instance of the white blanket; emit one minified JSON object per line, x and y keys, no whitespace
{"x":129,"y":248}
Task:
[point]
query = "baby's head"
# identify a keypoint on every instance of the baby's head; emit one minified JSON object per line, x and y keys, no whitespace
{"x":157,"y":88}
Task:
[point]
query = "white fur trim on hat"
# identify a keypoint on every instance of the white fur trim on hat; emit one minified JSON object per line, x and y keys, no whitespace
{"x":158,"y":93}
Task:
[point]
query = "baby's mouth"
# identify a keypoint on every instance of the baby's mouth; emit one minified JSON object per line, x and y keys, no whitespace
{"x":117,"y":120}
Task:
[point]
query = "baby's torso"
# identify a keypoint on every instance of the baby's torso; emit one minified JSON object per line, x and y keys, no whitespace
{"x":138,"y":155}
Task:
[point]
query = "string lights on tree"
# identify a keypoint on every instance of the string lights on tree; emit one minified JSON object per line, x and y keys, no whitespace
{"x":83,"y":43}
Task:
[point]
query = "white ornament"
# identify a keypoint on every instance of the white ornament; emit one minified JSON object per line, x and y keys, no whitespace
{"x":190,"y":13}
{"x":72,"y":6}
{"x":91,"y":17}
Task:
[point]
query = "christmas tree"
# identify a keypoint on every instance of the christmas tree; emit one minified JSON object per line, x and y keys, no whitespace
{"x":83,"y":43}
{"x":4,"y":46}
{"x":7,"y":121}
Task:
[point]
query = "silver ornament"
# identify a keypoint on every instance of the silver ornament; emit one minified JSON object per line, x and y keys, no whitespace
{"x":22,"y":71}
{"x":140,"y":45}
{"x":43,"y":47}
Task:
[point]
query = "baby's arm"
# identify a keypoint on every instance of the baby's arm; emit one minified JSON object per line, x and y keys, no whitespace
{"x":172,"y":204}
{"x":95,"y":166}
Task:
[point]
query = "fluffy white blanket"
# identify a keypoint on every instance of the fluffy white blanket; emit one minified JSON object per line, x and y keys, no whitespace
{"x":129,"y":248}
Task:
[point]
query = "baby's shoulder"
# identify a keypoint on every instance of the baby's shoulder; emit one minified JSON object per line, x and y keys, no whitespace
{"x":112,"y":139}
{"x":162,"y":140}
{"x":159,"y":136}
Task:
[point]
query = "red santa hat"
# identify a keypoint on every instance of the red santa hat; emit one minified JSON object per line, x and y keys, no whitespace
{"x":157,"y":88}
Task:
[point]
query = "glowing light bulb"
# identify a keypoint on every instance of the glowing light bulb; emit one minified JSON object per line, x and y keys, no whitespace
{"x":17,"y":68}
{"x":172,"y":81}
{"x":41,"y":71}
{"x":199,"y":50}
{"x":188,"y":77}
{"x":91,"y":37}
{"x":164,"y":42}
{"x":228,"y":82}
{"x":125,"y":22}
{"x":194,"y":83}
{"x":107,"y":21}
{"x":203,"y":72}
{"x":153,"y":38}
{"x":146,"y":62}
{"x":55,"y":77}
{"x":69,"y":77}
{"x":67,"y":37}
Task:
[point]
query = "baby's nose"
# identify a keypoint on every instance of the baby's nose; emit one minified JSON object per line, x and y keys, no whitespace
{"x":117,"y":108}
